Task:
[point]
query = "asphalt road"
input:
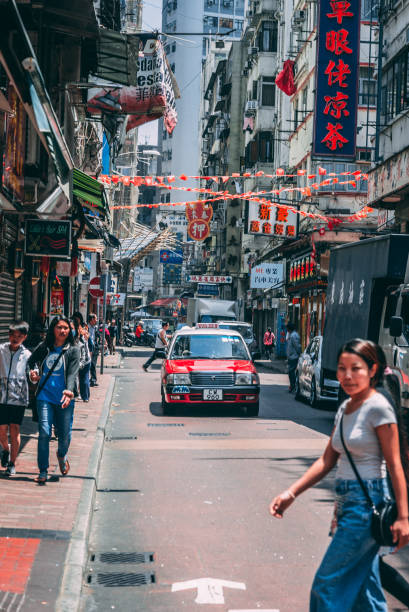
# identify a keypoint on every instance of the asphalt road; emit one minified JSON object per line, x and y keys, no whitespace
{"x":181,"y":517}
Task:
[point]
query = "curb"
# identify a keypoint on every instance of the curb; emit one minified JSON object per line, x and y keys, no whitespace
{"x":76,"y":558}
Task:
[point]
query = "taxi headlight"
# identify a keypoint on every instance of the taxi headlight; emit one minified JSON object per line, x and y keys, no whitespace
{"x":244,"y":378}
{"x":178,"y":379}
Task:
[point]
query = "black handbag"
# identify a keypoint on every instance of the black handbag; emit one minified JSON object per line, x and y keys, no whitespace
{"x":33,"y":394}
{"x":384,"y":514}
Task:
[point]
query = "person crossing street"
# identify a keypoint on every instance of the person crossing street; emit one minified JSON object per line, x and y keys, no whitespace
{"x":161,"y":343}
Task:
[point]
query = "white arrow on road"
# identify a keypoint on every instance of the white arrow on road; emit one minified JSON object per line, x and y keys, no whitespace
{"x":209,"y":590}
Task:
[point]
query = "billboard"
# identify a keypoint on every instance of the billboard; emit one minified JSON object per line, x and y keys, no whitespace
{"x":267,"y":220}
{"x":337,"y":74}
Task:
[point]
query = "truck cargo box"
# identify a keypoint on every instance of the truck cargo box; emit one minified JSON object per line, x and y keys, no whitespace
{"x":359,"y":276}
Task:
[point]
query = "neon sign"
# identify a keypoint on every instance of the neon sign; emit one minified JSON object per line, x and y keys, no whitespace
{"x":337,"y":79}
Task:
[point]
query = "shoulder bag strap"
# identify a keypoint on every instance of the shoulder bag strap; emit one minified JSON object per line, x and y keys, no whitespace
{"x":353,"y":466}
{"x":50,"y":371}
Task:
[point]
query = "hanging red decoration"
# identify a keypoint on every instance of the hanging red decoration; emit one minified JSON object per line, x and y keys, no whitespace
{"x":285,"y":79}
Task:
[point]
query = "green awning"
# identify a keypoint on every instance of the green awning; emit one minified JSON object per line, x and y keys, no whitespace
{"x":90,"y":192}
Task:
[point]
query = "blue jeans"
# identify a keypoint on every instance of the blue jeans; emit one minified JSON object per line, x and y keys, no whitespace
{"x":348,"y":577}
{"x":62,"y":418}
{"x":83,"y":376}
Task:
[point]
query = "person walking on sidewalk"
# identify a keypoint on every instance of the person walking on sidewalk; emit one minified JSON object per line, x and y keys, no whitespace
{"x":54,"y":366}
{"x":268,"y":341}
{"x":293,"y":353}
{"x":93,"y":344}
{"x":113,"y":336}
{"x":161,"y":343}
{"x":85,"y":362}
{"x":365,"y":425}
{"x":13,"y":393}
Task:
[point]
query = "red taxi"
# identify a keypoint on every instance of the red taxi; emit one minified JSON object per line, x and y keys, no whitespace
{"x":209,"y":366}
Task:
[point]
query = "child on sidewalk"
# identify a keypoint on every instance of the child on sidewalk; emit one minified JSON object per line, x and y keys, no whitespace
{"x":13,"y":393}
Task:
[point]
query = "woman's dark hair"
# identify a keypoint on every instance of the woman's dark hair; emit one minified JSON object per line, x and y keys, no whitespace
{"x":290,"y":326}
{"x":370,"y":352}
{"x":50,"y":338}
{"x":77,"y":315}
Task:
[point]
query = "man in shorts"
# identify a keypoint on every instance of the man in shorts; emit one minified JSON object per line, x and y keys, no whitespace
{"x":13,"y":393}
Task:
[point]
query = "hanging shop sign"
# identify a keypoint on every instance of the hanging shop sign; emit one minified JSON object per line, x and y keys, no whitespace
{"x":267,"y":220}
{"x":142,"y":279}
{"x":198,"y":230}
{"x":48,"y":238}
{"x":207,"y":278}
{"x":15,"y":149}
{"x":205,"y":289}
{"x":335,"y":117}
{"x":199,"y":212}
{"x":117,"y":299}
{"x":172,"y":274}
{"x":171,"y":257}
{"x":267,"y":275}
{"x":302,"y":269}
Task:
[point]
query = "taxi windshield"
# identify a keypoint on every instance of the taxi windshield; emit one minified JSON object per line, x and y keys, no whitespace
{"x":245,"y":330}
{"x":209,"y":347}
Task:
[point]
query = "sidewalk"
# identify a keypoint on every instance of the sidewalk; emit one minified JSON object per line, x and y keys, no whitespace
{"x":39,"y":523}
{"x":278,"y":366}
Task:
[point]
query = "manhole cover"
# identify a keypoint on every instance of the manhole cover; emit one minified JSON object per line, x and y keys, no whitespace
{"x":123,"y":557}
{"x":122,"y":579}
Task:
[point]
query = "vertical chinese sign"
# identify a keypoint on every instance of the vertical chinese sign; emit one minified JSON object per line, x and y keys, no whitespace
{"x":337,"y":78}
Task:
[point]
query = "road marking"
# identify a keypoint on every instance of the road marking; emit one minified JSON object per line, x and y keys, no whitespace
{"x":209,"y":590}
{"x":256,"y":610}
{"x":286,"y":444}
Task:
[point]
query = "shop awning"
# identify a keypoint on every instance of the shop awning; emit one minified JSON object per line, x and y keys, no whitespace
{"x":90,"y":192}
{"x":167,"y":301}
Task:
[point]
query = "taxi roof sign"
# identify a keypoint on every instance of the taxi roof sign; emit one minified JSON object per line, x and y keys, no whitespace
{"x":207,"y":325}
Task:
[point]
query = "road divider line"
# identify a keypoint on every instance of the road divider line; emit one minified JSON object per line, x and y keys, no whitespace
{"x":315,"y":444}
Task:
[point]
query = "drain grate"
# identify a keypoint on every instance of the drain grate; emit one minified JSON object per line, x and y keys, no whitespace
{"x":209,"y":434}
{"x":106,"y":490}
{"x":122,"y":579}
{"x":113,"y":438}
{"x":123,"y":557}
{"x":166,"y":424}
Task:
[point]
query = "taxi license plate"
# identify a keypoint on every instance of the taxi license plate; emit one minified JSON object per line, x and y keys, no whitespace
{"x":213,"y":394}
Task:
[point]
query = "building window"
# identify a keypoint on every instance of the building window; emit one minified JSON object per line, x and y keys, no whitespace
{"x":267,"y":91}
{"x":362,"y":186}
{"x":367,"y":86}
{"x":211,"y":5}
{"x":238,"y":24}
{"x":395,"y":86}
{"x":254,"y":94}
{"x":266,"y":147}
{"x":267,"y":37}
{"x":210,"y":24}
{"x":369,"y":10}
{"x":173,"y":67}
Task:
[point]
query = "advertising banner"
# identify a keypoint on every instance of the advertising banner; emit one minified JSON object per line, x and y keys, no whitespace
{"x":337,"y":75}
{"x":171,"y":257}
{"x":203,"y":289}
{"x":172,"y":274}
{"x":267,"y":275}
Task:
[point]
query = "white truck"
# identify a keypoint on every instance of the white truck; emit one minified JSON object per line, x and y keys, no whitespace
{"x":201,"y":310}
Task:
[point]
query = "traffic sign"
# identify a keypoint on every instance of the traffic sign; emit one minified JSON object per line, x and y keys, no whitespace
{"x":95,"y":287}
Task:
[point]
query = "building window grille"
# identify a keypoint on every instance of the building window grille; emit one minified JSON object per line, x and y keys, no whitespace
{"x":267,"y":37}
{"x":395,"y":86}
{"x":267,"y":91}
{"x":367,"y":86}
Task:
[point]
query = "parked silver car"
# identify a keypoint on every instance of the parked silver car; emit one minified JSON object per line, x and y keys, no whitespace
{"x":309,"y":378}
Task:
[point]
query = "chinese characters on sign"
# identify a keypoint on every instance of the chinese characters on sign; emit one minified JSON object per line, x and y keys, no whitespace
{"x":302,"y":269}
{"x":207,"y":278}
{"x":266,"y":275}
{"x":337,"y":78}
{"x":268,"y":220}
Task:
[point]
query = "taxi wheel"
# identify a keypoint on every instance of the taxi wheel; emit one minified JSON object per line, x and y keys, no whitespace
{"x":166,"y":408}
{"x":252,"y":411}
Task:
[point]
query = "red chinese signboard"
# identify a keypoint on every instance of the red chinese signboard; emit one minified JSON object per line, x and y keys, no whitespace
{"x":337,"y":78}
{"x":198,"y":230}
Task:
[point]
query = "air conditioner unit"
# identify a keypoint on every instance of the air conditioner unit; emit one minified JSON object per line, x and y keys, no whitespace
{"x":299,"y":16}
{"x":251,"y":105}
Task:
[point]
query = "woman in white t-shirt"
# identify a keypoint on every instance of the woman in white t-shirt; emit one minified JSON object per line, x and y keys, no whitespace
{"x":348,"y":577}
